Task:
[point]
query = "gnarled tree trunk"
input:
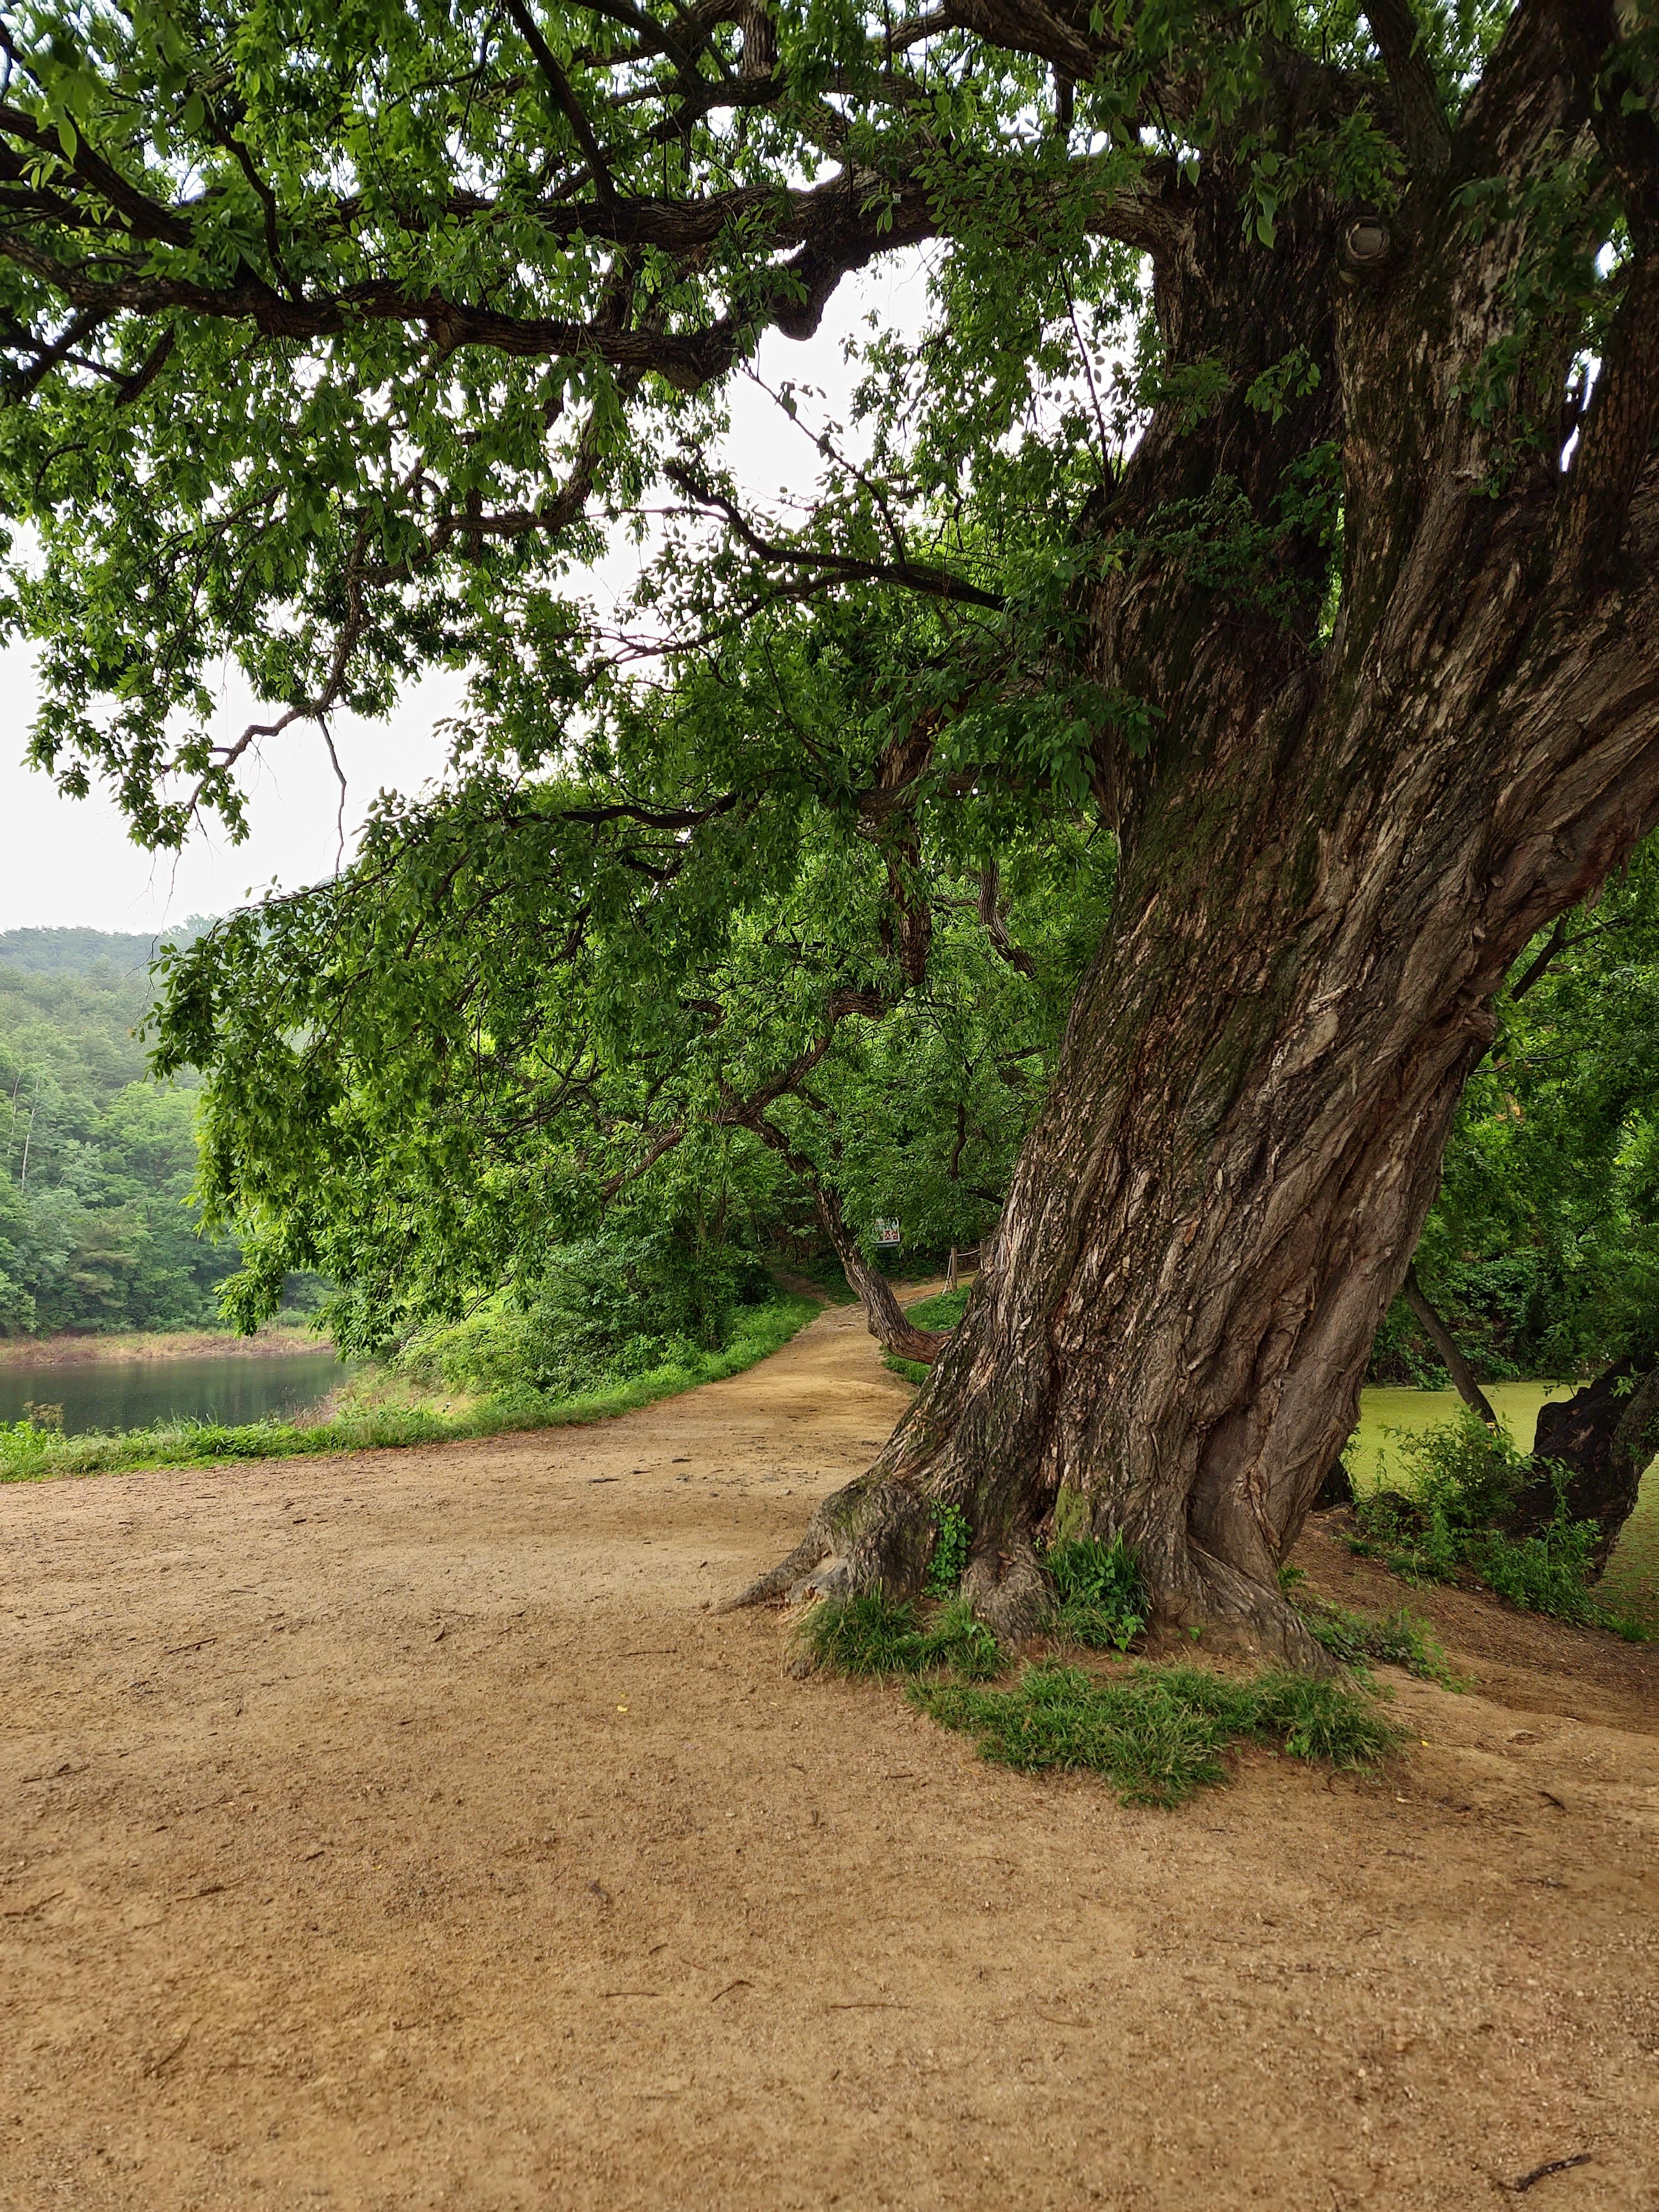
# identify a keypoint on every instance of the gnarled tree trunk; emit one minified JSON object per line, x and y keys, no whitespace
{"x":882,"y":1310}
{"x":1332,"y":849}
{"x":1591,"y":1450}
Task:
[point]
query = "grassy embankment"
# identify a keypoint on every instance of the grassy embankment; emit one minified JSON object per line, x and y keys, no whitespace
{"x":86,"y":1347}
{"x":383,"y":1407}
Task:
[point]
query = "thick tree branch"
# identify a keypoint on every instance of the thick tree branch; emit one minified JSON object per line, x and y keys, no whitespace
{"x":565,"y":95}
{"x":1422,"y":125}
{"x":990,"y":913}
{"x":1446,"y":1345}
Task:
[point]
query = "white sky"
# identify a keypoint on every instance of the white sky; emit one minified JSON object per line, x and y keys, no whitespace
{"x":64,"y":863}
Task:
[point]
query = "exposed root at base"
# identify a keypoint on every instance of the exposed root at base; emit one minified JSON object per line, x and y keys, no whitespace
{"x":880,"y":1535}
{"x":868,"y":1536}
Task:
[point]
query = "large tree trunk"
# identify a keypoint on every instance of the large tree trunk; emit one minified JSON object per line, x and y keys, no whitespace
{"x":1591,"y":1452}
{"x":1233,"y":1169}
{"x":1332,"y":849}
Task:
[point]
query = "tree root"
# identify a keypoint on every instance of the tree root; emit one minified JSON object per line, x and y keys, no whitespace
{"x":1237,"y":1614}
{"x":880,"y":1535}
{"x":868,"y":1536}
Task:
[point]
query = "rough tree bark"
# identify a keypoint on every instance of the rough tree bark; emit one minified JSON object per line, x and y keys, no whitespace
{"x":1596,"y":1445}
{"x":1333,"y":850}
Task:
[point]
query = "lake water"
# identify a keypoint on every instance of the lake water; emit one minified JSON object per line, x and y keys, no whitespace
{"x":1632,"y":1580}
{"x":130,"y":1393}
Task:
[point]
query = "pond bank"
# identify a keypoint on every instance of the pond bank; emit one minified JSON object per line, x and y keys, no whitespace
{"x":73,"y":1348}
{"x":377,"y":1410}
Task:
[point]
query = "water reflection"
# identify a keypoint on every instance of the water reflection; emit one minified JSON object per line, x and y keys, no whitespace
{"x":130,"y":1393}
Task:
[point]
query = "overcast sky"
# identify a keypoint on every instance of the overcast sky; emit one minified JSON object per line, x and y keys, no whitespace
{"x":63,"y":863}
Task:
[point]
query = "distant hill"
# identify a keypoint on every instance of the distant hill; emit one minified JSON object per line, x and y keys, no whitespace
{"x":84,"y":952}
{"x":96,"y":1162}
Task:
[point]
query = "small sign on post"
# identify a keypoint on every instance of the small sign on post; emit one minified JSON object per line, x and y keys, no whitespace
{"x":887,"y":1233}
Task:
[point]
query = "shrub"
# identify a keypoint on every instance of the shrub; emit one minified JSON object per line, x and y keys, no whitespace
{"x":1102,"y":1598}
{"x":609,"y":1307}
{"x":1466,"y":1480}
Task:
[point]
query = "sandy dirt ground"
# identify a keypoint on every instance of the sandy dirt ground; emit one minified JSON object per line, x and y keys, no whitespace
{"x":402,"y":1831}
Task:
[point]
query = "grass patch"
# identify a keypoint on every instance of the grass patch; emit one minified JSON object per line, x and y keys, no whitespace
{"x":943,"y":1311}
{"x":1158,"y":1733}
{"x":28,"y":1454}
{"x":875,"y":1636}
{"x":1365,"y":1639}
{"x":1101,"y":1601}
{"x":913,"y":1371}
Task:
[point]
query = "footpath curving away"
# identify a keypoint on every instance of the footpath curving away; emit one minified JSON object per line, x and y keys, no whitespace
{"x":400,"y":1831}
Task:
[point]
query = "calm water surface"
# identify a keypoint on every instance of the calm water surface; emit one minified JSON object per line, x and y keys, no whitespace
{"x":1632,"y":1576}
{"x":130,"y":1393}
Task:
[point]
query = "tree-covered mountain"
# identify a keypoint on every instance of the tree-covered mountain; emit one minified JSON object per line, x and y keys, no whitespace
{"x":96,"y":1160}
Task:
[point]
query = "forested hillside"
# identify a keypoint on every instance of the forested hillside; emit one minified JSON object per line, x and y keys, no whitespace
{"x":95,"y":1228}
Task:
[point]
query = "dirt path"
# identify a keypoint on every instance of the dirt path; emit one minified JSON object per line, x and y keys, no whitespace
{"x":400,"y":1832}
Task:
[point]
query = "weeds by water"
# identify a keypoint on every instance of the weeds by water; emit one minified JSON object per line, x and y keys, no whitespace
{"x":29,"y":1453}
{"x":1464,"y":1480}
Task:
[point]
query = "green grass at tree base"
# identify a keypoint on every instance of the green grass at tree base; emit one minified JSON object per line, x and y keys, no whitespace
{"x":1158,"y":1732}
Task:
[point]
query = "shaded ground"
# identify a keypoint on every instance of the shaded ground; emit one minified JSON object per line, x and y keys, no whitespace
{"x":399,"y":1831}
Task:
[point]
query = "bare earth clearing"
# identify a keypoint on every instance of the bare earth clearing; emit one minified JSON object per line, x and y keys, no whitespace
{"x":399,"y":1831}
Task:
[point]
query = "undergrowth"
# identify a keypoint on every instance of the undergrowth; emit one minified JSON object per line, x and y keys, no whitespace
{"x":1156,"y":1732}
{"x":29,"y":1453}
{"x":1465,"y":1478}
